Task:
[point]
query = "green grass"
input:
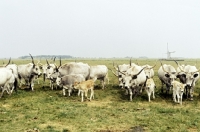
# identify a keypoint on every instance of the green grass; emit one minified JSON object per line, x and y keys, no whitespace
{"x":110,"y":111}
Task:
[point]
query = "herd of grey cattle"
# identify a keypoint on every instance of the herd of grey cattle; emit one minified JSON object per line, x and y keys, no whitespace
{"x":63,"y":75}
{"x":133,"y":77}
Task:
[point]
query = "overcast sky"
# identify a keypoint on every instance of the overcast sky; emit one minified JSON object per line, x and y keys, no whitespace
{"x":100,"y":28}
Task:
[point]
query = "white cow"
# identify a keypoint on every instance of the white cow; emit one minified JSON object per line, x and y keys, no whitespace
{"x":99,"y":72}
{"x":28,"y":73}
{"x":188,"y":75}
{"x":134,"y":78}
{"x":48,"y":69}
{"x":166,"y":74}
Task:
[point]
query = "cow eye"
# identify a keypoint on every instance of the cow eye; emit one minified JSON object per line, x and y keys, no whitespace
{"x":167,"y":75}
{"x":36,"y":68}
{"x":195,"y":75}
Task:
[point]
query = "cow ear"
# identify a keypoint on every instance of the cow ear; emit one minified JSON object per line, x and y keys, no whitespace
{"x":196,"y":75}
{"x":33,"y":65}
{"x":167,"y":75}
{"x":178,"y":76}
{"x":134,"y":77}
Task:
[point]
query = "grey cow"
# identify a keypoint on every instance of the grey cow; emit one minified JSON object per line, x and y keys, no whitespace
{"x":166,"y":74}
{"x":99,"y":72}
{"x":69,"y":68}
{"x":67,"y":81}
{"x":28,"y":73}
{"x":188,"y":75}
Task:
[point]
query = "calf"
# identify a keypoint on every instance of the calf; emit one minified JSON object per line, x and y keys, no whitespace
{"x":150,"y":86}
{"x":178,"y":89}
{"x":84,"y":87}
{"x":67,"y":81}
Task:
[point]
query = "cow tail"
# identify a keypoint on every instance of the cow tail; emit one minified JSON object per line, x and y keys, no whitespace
{"x":88,"y":77}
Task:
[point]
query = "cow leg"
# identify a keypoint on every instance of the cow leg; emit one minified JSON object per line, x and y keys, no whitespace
{"x":187,"y":91}
{"x":149,"y":96}
{"x":181,"y":98}
{"x":153,"y":94}
{"x":131,"y":93}
{"x":103,"y":83}
{"x":191,"y":93}
{"x":3,"y":89}
{"x":174,"y":96}
{"x":2,"y":92}
{"x":82,"y":92}
{"x":91,"y":94}
{"x":79,"y":92}
{"x":69,"y":91}
{"x":32,"y":86}
{"x":178,"y":97}
{"x":51,"y":84}
{"x":86,"y":92}
{"x":64,"y":91}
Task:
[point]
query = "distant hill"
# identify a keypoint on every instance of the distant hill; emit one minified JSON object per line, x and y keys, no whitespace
{"x":47,"y":57}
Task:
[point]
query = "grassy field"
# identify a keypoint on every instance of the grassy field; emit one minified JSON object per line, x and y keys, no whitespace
{"x":47,"y":110}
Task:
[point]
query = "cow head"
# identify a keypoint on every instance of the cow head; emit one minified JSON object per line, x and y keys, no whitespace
{"x":130,"y":77}
{"x":170,"y":74}
{"x":50,"y":69}
{"x":120,"y":73}
{"x":190,"y":78}
{"x":188,"y":74}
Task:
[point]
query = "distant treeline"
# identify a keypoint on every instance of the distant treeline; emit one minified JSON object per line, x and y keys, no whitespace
{"x":47,"y":57}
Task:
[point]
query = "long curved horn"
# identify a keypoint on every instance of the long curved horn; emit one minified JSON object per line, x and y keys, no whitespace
{"x":8,"y":62}
{"x":163,"y":68}
{"x":179,"y":66}
{"x":139,"y":72}
{"x":60,"y":63}
{"x":137,"y":62}
{"x":114,"y":66}
{"x":32,"y":58}
{"x":54,"y":59}
{"x":154,"y":65}
{"x":38,"y":62}
{"x":113,"y":72}
{"x":47,"y":62}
